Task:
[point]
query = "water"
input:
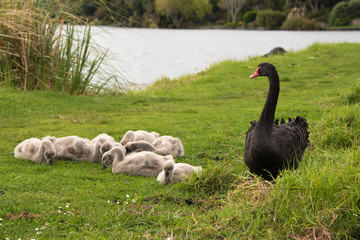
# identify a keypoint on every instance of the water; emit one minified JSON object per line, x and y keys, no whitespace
{"x":145,"y":55}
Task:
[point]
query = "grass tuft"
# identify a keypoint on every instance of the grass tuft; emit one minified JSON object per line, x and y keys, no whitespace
{"x":213,"y":181}
{"x":354,"y":96}
{"x":340,"y":128}
{"x":41,"y":49}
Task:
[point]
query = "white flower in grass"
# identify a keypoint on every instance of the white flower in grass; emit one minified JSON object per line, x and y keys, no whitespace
{"x":126,"y":203}
{"x":36,"y":229}
{"x":133,"y":201}
{"x":108,"y":201}
{"x":127,"y":196}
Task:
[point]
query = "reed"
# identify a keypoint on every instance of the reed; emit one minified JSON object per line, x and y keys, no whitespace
{"x":43,"y":47}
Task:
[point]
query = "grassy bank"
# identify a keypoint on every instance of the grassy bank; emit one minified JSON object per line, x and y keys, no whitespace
{"x":210,"y":112}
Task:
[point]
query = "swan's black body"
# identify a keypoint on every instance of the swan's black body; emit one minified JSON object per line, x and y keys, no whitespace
{"x":270,"y":147}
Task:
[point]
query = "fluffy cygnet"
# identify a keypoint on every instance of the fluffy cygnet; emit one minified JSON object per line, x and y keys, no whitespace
{"x":176,"y":172}
{"x":106,"y":141}
{"x":164,"y":145}
{"x":36,"y":150}
{"x":79,"y":149}
{"x":140,"y":135}
{"x":169,"y":145}
{"x":141,"y":164}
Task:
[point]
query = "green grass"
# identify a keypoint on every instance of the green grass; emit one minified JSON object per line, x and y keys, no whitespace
{"x":210,"y":112}
{"x":354,"y":27}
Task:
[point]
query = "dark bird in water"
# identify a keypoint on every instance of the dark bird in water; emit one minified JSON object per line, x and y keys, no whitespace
{"x":269,"y":147}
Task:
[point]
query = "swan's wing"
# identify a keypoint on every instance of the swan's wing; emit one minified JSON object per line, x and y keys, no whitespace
{"x":290,"y":140}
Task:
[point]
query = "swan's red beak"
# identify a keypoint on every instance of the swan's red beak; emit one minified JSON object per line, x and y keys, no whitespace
{"x":255,"y":74}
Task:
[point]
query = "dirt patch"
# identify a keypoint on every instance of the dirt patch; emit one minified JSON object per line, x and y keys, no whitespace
{"x":21,"y":215}
{"x":159,"y":198}
{"x":140,"y":209}
{"x":318,"y":233}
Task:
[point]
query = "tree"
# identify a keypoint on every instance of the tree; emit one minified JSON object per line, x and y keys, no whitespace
{"x":177,"y":10}
{"x":233,"y":6}
{"x":313,"y":5}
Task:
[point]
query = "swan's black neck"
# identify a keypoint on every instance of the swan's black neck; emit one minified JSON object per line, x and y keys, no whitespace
{"x":268,"y":113}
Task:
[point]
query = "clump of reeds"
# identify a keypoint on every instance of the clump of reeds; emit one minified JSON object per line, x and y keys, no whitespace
{"x":40,"y":48}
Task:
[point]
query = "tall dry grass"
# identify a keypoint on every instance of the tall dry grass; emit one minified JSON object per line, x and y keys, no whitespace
{"x":41,"y":47}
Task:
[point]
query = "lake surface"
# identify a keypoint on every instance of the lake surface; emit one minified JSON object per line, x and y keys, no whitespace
{"x":145,"y":55}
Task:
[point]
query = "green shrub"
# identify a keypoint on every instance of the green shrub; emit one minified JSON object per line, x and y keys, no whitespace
{"x":354,"y":9}
{"x":249,"y":17}
{"x":231,"y":25}
{"x":338,"y":11}
{"x":270,"y":19}
{"x":342,"y":22}
{"x":301,"y":23}
{"x":321,"y":15}
{"x":345,"y":12}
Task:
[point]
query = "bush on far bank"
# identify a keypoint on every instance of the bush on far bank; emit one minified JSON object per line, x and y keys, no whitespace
{"x":249,"y":17}
{"x":343,"y":12}
{"x":301,"y":23}
{"x":270,"y":19}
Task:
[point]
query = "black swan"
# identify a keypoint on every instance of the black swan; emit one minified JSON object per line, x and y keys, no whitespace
{"x":269,"y":147}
